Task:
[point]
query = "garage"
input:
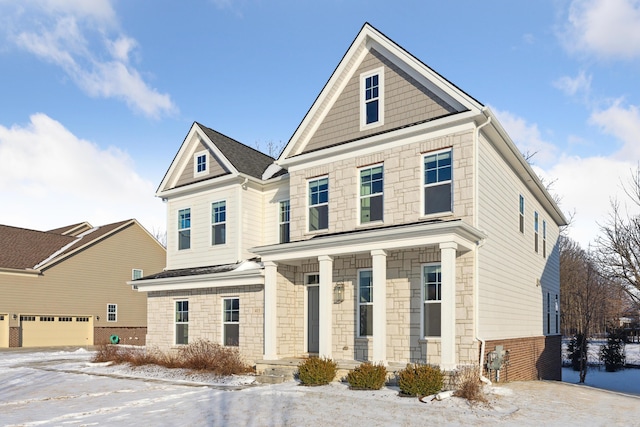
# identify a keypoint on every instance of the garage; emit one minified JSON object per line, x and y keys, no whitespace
{"x":47,"y":330}
{"x":4,"y":330}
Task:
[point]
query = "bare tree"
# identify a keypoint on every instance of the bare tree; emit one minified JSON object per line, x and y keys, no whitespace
{"x":160,"y":235}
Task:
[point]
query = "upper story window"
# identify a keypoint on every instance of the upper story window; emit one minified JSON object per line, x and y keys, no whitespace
{"x":371,"y":194}
{"x":284,"y":220}
{"x":112,"y":312}
{"x":432,"y":291}
{"x":219,"y":223}
{"x":535,"y":231}
{"x":136,"y":273}
{"x":438,"y":194}
{"x":522,"y":214}
{"x":200,"y":163}
{"x":365,"y":302}
{"x":319,"y":204}
{"x":184,"y":229}
{"x":544,"y":238}
{"x":372,"y":95}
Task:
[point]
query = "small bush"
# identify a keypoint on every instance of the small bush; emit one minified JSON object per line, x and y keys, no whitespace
{"x":612,"y":353}
{"x":420,"y":380}
{"x":367,"y":376}
{"x":317,"y":371}
{"x":468,"y":385}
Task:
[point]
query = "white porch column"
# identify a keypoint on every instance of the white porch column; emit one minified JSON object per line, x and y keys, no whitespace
{"x":379,"y":306}
{"x":270,"y":310}
{"x":448,"y":305}
{"x":325,"y":305}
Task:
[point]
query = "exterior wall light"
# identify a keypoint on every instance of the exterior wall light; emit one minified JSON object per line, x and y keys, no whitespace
{"x":338,"y":293}
{"x":98,"y":318}
{"x":15,"y":316}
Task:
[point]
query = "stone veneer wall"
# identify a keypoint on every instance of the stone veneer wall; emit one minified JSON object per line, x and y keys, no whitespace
{"x":205,"y":317}
{"x":532,"y":358}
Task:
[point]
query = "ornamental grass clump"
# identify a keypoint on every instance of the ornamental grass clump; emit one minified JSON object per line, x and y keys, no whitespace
{"x":317,"y":371}
{"x":420,"y":380}
{"x":468,"y":384}
{"x":367,"y":376}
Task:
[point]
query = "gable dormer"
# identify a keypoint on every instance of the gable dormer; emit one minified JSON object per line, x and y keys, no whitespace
{"x":377,"y":88}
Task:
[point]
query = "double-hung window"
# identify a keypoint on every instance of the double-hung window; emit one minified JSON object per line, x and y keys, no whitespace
{"x":535,"y":231}
{"x":319,"y":204}
{"x":184,"y":228}
{"x":112,"y":312}
{"x":371,"y":194}
{"x":521,"y":214}
{"x":438,"y":185}
{"x":182,"y":322}
{"x":219,"y":223}
{"x":365,"y":302}
{"x":372,"y":106}
{"x":544,"y":238}
{"x":432,"y":291}
{"x":231,"y":321}
{"x":200,"y":163}
{"x":284,"y":221}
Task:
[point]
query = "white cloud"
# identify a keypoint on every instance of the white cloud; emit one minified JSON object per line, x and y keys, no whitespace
{"x":605,"y":28}
{"x":622,"y":122}
{"x":573,"y":85}
{"x":527,"y":137}
{"x":51,"y":178}
{"x":66,"y":34}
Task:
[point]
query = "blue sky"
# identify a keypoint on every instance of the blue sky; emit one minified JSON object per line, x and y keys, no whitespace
{"x":96,"y":97}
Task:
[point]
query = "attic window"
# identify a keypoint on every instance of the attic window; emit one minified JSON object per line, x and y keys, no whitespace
{"x":372,"y":98}
{"x":200,"y":163}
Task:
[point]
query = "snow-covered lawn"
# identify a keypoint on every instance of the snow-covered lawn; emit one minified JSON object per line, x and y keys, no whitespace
{"x":60,"y":388}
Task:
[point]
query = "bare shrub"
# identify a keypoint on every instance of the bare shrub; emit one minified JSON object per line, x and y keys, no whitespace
{"x":468,"y":384}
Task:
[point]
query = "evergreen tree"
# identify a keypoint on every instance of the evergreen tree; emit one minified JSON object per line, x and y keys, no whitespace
{"x":612,"y":353}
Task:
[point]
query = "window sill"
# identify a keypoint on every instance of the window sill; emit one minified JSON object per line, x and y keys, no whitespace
{"x":364,"y":339}
{"x":371,"y":224}
{"x":447,"y":214}
{"x":425,"y":340}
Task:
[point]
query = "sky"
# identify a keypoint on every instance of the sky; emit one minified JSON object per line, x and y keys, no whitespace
{"x":97,"y":97}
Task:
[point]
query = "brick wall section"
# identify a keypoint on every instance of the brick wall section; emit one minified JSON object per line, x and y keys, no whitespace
{"x":532,"y":358}
{"x":129,"y":336}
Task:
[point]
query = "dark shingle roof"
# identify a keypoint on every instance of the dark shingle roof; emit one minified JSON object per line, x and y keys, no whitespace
{"x":195,"y":271}
{"x":245,"y":159}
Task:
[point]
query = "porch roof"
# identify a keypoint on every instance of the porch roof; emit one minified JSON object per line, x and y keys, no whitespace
{"x":405,"y":236}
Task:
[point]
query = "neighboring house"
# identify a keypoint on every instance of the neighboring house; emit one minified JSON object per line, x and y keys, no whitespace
{"x":68,"y":286}
{"x":399,"y":224}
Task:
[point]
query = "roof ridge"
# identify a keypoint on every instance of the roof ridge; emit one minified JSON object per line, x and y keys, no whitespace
{"x":235,"y":140}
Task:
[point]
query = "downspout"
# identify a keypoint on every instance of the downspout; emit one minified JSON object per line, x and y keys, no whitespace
{"x":476,"y":143}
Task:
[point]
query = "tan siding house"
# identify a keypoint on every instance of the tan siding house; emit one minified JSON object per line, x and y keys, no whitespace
{"x":69,"y":286}
{"x":389,"y":230}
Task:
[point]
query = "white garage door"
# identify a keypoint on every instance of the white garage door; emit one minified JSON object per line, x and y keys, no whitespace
{"x":46,"y":331}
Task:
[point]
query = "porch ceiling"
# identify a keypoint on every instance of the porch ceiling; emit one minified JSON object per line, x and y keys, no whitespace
{"x":364,"y":241}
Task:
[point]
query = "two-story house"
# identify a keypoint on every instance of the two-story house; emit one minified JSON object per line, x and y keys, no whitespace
{"x":399,"y":224}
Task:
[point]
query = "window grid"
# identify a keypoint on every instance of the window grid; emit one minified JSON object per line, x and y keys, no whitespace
{"x":112,"y":312}
{"x":372,"y":98}
{"x":219,"y":223}
{"x":438,"y":173}
{"x":184,"y":229}
{"x":231,"y":321}
{"x":365,"y":303}
{"x":432,"y":294}
{"x":136,"y":273}
{"x":544,"y":238}
{"x":182,"y":322}
{"x":535,"y":230}
{"x":371,"y":194}
{"x":319,"y":204}
{"x":521,"y":214}
{"x":201,"y":163}
{"x":284,"y":221}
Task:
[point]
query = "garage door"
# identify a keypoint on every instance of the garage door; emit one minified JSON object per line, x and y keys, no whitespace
{"x":4,"y":330}
{"x":46,"y":331}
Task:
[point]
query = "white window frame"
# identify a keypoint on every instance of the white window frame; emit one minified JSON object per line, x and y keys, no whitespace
{"x":544,"y":238}
{"x":365,"y":303}
{"x":380,"y":98}
{"x":226,"y":322}
{"x":182,"y":229}
{"x":136,"y":273}
{"x":557,"y":310}
{"x":435,"y":184}
{"x":372,"y":195}
{"x":215,"y":223}
{"x":425,"y":301}
{"x":196,"y":157}
{"x":112,"y":312}
{"x":536,"y":229}
{"x":180,"y":322}
{"x":319,"y":204}
{"x":284,"y":220}
{"x":521,"y":209}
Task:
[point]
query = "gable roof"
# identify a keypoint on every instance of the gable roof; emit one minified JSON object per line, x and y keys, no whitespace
{"x":371,"y":42}
{"x":32,"y":250}
{"x":73,"y":229}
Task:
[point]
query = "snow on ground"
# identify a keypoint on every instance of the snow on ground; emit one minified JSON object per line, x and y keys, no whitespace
{"x":61,"y":388}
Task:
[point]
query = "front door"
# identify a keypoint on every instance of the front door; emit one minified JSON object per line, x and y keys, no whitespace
{"x":313,"y":319}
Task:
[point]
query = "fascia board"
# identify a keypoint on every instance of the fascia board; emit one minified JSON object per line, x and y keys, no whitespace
{"x":387,"y":239}
{"x":199,"y":186}
{"x":214,"y":280}
{"x":176,"y":160}
{"x":19,"y":272}
{"x":447,"y":125}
